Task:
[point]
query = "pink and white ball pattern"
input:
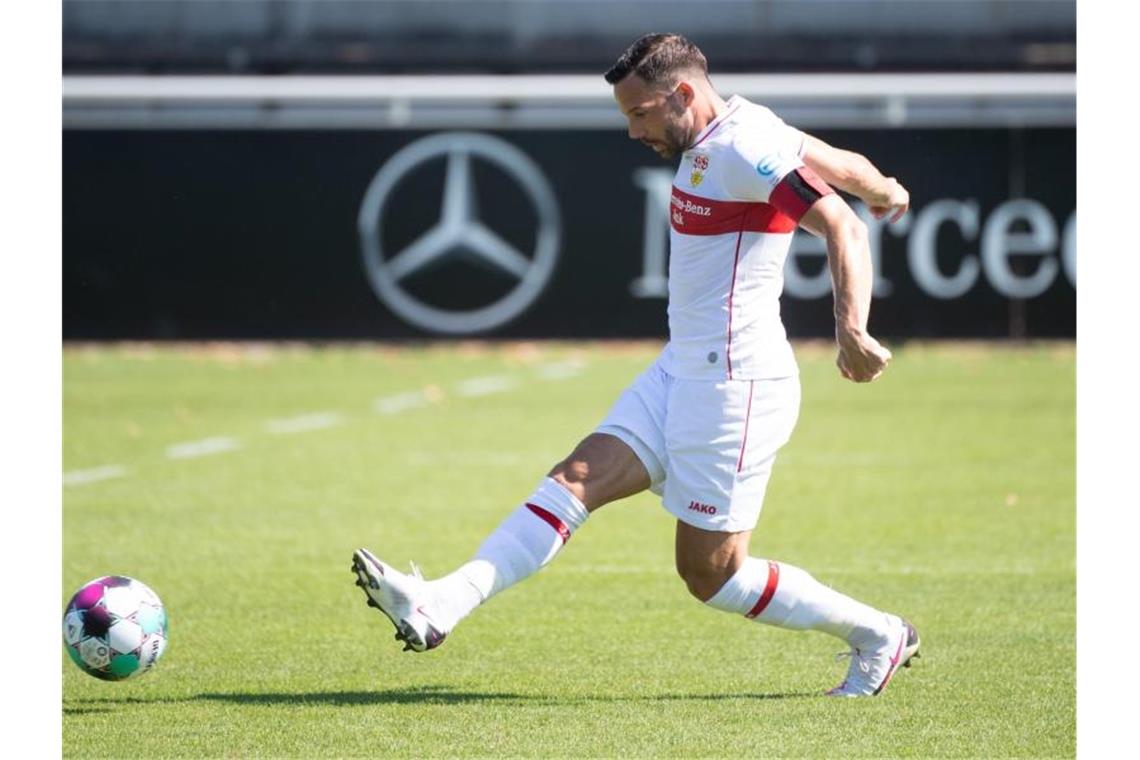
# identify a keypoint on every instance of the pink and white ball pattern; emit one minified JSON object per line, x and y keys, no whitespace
{"x":115,"y":627}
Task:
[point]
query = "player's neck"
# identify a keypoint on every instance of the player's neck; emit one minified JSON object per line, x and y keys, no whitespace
{"x":712,"y":108}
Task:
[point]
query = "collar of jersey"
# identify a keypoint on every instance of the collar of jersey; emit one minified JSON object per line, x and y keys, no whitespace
{"x":731,"y":105}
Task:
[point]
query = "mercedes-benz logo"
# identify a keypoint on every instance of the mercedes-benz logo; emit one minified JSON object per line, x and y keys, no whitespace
{"x":459,"y":231}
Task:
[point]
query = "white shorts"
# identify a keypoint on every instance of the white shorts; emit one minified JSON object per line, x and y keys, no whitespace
{"x":709,"y":446}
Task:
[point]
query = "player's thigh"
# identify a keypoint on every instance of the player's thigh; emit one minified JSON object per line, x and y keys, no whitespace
{"x":600,"y":469}
{"x":637,"y":419}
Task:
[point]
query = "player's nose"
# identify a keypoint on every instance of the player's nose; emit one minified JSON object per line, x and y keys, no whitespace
{"x":635,"y":133}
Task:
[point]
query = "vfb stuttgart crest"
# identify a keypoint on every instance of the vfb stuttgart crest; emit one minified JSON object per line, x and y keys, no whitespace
{"x":700,"y":166}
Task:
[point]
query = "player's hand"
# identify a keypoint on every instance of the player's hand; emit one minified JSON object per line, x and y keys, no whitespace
{"x":893,"y":203}
{"x":861,"y":358}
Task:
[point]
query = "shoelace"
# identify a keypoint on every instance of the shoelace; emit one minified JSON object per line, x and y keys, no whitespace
{"x":416,"y":570}
{"x":856,"y":657}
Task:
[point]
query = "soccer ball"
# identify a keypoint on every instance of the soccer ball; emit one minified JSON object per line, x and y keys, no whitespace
{"x":115,"y":628}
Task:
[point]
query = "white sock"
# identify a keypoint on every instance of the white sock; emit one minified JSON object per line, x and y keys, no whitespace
{"x":522,"y":544}
{"x":783,"y":595}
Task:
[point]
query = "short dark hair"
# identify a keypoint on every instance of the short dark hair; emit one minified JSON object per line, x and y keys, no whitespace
{"x":657,"y":58}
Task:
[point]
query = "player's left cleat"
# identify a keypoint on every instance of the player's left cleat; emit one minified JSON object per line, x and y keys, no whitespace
{"x":402,"y":598}
{"x":872,"y":670}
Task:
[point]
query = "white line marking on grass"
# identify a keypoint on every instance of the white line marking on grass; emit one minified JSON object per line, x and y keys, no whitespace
{"x":621,"y":570}
{"x":484,"y":386}
{"x":303,"y":423}
{"x":871,"y":570}
{"x":204,"y":447}
{"x":94,"y":475}
{"x":561,"y":371}
{"x":841,"y":459}
{"x":399,"y":402}
{"x":433,"y":458}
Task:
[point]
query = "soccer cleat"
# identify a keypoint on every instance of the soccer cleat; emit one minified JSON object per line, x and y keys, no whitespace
{"x":402,"y":598}
{"x":871,"y":671}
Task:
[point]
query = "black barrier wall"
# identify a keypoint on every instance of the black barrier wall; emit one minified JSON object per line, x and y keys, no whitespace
{"x":335,"y":234}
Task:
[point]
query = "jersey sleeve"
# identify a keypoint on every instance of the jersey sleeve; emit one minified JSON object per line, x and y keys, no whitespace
{"x":767,"y":166}
{"x":762,"y":158}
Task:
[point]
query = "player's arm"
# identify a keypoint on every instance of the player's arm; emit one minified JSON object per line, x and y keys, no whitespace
{"x":853,"y":173}
{"x":802,"y":195}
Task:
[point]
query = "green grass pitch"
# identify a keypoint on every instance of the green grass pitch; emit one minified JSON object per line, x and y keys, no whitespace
{"x":944,"y":491}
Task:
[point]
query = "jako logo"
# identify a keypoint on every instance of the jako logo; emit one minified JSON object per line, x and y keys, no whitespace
{"x":696,"y":506}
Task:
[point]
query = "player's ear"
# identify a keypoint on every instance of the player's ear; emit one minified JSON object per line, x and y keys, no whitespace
{"x":684,"y":93}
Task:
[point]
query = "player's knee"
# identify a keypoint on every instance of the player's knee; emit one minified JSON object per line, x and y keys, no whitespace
{"x":599,"y":470}
{"x":571,"y":475}
{"x":706,"y":560}
{"x":702,"y":579}
{"x":571,"y":471}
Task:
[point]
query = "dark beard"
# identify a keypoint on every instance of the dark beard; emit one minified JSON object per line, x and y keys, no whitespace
{"x":676,"y":141}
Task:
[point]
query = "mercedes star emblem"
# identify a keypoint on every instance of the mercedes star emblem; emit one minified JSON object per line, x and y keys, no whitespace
{"x":460,"y":230}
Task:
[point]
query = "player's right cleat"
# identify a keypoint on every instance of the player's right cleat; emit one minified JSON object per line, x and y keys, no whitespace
{"x":872,"y":669}
{"x":402,"y":598}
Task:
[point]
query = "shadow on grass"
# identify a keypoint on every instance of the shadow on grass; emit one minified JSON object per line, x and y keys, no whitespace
{"x":445,"y":696}
{"x":416,"y":695}
{"x":85,"y":710}
{"x":708,"y":697}
{"x":428,"y":694}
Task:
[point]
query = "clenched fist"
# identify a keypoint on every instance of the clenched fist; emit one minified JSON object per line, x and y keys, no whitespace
{"x":893,"y":201}
{"x":861,"y":358}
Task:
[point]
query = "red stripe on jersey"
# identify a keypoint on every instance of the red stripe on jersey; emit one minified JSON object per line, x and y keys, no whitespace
{"x":796,"y":193}
{"x":694,"y":215}
{"x":769,"y":590}
{"x":552,"y":521}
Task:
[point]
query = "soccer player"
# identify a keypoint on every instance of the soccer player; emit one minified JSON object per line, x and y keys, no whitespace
{"x":701,"y":426}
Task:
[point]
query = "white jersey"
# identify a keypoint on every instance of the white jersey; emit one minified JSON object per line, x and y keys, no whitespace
{"x":727,"y":249}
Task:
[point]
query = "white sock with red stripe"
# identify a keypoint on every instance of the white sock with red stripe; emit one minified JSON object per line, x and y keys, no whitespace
{"x":522,"y":544}
{"x":785,"y":596}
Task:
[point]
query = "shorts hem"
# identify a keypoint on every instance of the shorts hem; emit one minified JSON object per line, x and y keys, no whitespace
{"x":714,"y":523}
